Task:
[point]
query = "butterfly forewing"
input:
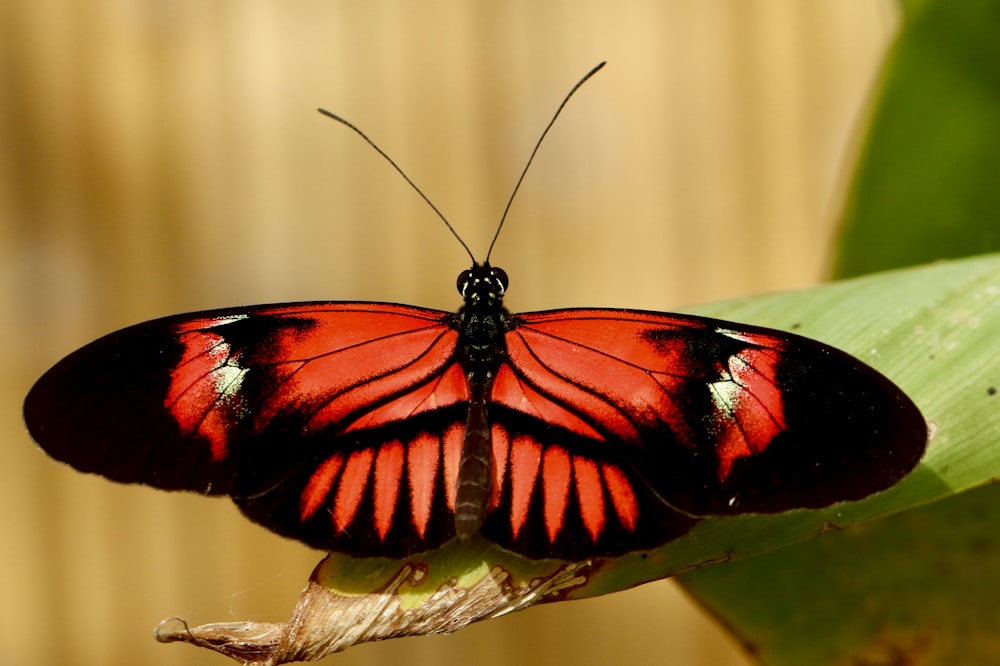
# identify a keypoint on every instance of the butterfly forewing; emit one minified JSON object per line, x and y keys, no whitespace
{"x":220,"y":401}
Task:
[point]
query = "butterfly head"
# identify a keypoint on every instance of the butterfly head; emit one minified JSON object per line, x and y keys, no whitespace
{"x":483,"y":285}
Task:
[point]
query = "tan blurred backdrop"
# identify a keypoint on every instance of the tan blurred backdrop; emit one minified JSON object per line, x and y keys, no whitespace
{"x":165,"y":155}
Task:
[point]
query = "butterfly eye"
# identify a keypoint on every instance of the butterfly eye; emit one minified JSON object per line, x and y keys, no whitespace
{"x":500,"y":278}
{"x":464,"y":279}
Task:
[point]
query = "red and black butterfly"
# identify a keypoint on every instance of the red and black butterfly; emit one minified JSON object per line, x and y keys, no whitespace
{"x":386,"y":430}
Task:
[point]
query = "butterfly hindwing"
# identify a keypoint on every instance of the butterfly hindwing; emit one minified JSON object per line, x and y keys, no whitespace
{"x":557,"y":494}
{"x":387,"y":491}
{"x":391,"y":492}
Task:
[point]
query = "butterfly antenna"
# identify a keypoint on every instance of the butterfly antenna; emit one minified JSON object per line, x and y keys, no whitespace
{"x":531,"y":157}
{"x":402,"y":173}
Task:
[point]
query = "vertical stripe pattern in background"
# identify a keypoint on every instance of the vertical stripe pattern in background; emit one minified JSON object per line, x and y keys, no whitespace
{"x":160,"y":157}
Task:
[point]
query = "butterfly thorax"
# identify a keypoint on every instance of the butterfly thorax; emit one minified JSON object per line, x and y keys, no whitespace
{"x":482,"y":323}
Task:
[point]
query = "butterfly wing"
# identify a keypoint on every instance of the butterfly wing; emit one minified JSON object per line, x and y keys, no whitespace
{"x":334,"y":423}
{"x":711,"y":417}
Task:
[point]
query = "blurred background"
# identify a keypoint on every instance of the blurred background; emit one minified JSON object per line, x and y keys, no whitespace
{"x":158,"y":156}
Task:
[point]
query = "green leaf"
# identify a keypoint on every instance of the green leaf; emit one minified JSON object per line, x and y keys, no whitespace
{"x":926,"y":186}
{"x":919,"y":587}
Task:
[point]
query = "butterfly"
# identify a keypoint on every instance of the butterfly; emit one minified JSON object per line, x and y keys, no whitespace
{"x":387,"y":430}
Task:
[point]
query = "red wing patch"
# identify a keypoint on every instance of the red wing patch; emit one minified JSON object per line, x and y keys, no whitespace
{"x":749,"y":410}
{"x":326,"y":364}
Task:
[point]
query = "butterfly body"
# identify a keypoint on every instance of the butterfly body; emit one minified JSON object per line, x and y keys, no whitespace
{"x":482,"y":322}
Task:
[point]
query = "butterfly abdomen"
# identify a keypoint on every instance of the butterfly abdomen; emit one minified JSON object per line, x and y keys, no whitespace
{"x":482,"y":324}
{"x":476,"y":466}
